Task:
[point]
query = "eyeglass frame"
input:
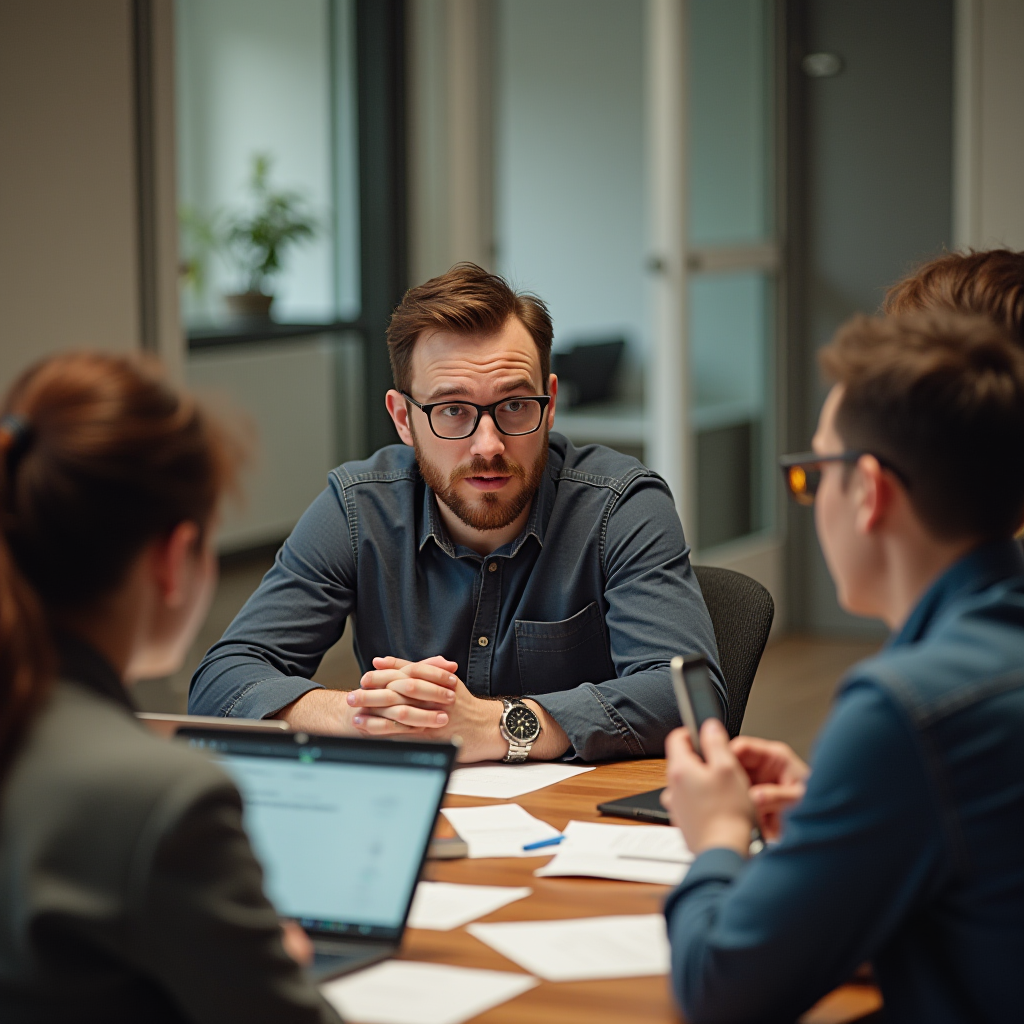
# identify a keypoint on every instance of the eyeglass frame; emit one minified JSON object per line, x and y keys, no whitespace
{"x":802,"y":459}
{"x":544,"y":400}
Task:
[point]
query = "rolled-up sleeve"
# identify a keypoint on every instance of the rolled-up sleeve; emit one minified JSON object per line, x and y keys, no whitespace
{"x":654,"y":611}
{"x":269,"y":653}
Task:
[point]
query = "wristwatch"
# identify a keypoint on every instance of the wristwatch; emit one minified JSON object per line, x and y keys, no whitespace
{"x":520,"y":726}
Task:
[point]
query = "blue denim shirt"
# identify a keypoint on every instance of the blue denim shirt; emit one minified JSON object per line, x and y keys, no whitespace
{"x":581,"y":612}
{"x":908,"y":847}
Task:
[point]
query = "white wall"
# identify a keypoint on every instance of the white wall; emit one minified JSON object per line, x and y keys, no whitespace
{"x":570,"y":161}
{"x":68,"y":246}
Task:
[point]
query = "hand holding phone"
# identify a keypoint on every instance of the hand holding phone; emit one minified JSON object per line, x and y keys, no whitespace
{"x":698,"y":702}
{"x":695,"y":695}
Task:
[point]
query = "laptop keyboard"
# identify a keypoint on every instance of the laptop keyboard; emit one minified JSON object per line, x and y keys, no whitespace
{"x":338,"y":957}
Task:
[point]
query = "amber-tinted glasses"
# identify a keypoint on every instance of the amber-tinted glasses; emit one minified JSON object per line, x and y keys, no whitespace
{"x":802,"y":472}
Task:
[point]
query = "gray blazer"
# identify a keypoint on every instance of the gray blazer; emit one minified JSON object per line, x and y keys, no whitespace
{"x":128,"y":889}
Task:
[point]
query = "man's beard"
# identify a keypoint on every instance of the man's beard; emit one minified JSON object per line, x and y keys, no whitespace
{"x":492,"y":512}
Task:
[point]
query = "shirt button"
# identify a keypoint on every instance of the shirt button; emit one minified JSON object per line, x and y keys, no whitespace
{"x":482,"y":641}
{"x":492,"y":567}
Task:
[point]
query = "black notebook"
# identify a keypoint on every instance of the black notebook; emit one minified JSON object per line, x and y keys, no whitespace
{"x":639,"y":807}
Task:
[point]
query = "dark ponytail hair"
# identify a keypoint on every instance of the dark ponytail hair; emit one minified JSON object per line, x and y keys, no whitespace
{"x":99,"y":456}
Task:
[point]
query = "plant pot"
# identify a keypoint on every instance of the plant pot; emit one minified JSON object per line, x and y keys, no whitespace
{"x":250,"y":306}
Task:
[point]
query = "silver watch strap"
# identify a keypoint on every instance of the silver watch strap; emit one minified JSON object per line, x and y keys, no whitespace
{"x":517,"y":751}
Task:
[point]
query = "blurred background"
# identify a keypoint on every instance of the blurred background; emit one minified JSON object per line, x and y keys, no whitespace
{"x":702,"y":190}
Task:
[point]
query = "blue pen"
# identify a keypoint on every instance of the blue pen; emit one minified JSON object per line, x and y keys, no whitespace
{"x":544,"y":842}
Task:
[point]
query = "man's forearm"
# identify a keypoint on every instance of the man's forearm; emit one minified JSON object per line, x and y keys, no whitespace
{"x":320,"y":711}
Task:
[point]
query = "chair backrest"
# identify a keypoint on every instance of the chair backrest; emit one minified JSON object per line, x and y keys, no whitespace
{"x":741,"y":613}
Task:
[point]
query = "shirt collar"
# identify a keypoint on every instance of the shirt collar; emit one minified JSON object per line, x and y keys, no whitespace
{"x":433,"y":526}
{"x":981,"y":568}
{"x":536,"y":523}
{"x":83,"y":664}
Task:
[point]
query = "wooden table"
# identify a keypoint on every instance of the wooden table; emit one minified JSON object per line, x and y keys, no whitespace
{"x":585,"y":1002}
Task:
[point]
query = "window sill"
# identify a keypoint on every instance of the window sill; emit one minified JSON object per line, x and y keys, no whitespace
{"x":243,"y":334}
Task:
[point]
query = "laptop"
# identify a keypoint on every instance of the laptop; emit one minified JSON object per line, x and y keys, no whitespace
{"x":341,"y":826}
{"x":168,"y":725}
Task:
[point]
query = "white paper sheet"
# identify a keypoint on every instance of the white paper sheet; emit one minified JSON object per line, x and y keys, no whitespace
{"x":506,"y":781}
{"x":406,"y":992}
{"x":500,"y":830}
{"x":629,"y":853}
{"x":441,"y":906}
{"x":582,"y":949}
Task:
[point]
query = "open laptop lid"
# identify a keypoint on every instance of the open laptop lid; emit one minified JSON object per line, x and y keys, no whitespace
{"x":168,"y":725}
{"x":340,"y":825}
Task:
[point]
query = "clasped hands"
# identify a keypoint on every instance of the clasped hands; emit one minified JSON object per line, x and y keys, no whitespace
{"x":418,"y":699}
{"x":426,"y":699}
{"x":742,"y":782}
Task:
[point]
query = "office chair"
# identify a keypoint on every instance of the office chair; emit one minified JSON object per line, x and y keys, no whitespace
{"x":741,"y":614}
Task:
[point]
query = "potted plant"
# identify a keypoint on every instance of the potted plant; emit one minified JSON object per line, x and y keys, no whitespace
{"x":254,"y":242}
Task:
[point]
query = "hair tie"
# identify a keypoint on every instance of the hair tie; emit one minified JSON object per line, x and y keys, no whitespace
{"x":19,"y":436}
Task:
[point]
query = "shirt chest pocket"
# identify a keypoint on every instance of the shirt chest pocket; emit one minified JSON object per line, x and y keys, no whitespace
{"x":557,"y":656}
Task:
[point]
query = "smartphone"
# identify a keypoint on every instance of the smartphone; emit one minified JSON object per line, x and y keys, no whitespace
{"x":695,"y":695}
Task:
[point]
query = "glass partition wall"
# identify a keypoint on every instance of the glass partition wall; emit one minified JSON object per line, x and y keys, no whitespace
{"x":634,"y":191}
{"x":569,"y":198}
{"x":269,"y":203}
{"x":271,"y":80}
{"x":627,"y":152}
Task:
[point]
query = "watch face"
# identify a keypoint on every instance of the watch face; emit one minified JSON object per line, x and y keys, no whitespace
{"x":522,"y":723}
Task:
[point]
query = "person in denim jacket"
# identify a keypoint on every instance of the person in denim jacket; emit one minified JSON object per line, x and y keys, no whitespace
{"x":901,"y":844}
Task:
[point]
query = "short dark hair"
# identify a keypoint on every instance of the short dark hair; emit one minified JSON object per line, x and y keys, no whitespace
{"x":465,"y":300}
{"x":940,"y":398}
{"x":988,"y":283}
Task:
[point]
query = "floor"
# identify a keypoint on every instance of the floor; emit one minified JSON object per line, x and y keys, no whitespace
{"x":794,"y":685}
{"x":789,"y":700}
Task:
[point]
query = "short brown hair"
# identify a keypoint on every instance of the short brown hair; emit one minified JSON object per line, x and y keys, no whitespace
{"x":465,"y":300}
{"x":940,"y":399}
{"x":984,"y":283}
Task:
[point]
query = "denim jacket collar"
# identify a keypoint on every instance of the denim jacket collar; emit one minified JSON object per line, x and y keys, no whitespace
{"x":540,"y":513}
{"x":981,"y":568}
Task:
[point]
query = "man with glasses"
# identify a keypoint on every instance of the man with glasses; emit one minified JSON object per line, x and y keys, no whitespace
{"x":901,"y":844}
{"x":505,"y":586}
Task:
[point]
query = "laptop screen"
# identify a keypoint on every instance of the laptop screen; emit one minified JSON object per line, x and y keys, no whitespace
{"x":340,"y":826}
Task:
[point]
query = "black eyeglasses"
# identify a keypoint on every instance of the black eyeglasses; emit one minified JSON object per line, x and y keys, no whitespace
{"x":513,"y":417}
{"x":802,"y":472}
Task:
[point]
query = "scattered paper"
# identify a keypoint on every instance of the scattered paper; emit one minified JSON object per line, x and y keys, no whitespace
{"x":629,"y":853}
{"x":500,"y":830}
{"x":582,"y":949}
{"x":441,"y":906}
{"x":506,"y":781}
{"x":649,"y":842}
{"x":406,"y":992}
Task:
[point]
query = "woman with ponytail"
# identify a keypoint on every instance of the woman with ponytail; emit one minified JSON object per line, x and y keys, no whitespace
{"x":128,"y":890}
